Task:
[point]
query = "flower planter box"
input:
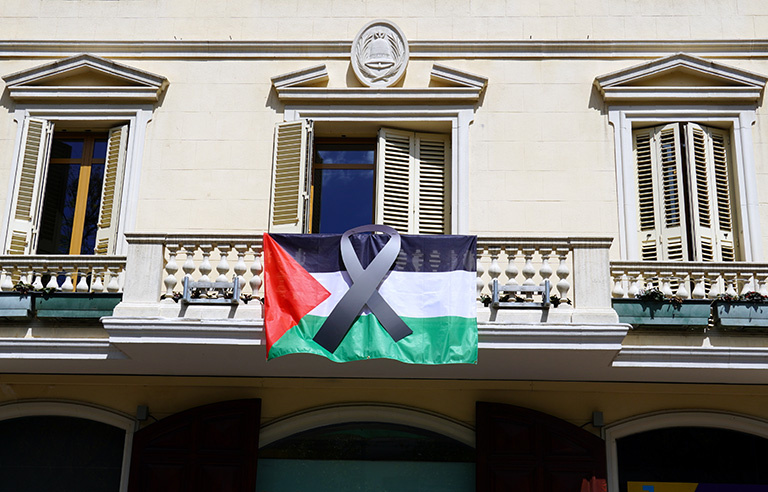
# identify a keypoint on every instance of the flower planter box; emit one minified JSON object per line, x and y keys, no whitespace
{"x":741,"y":316}
{"x":691,"y":315}
{"x":14,"y":305}
{"x":75,"y":305}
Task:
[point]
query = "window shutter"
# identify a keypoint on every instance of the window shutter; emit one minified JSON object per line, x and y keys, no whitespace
{"x":433,"y":155}
{"x":413,"y":181}
{"x":290,"y":177}
{"x":395,"y":178}
{"x":111,"y":191}
{"x":29,"y":186}
{"x":710,"y":194}
{"x":661,"y":201}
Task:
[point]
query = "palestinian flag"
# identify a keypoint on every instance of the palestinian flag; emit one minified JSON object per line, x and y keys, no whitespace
{"x":431,"y":287}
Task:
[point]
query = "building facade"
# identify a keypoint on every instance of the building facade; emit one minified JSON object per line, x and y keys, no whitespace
{"x":608,"y":148}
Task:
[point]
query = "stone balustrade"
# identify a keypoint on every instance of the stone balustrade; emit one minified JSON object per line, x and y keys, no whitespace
{"x":688,"y":280}
{"x":571,"y":264}
{"x":578,"y":268}
{"x":65,"y":273}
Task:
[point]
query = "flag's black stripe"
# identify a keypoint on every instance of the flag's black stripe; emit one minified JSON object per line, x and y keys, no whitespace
{"x":320,"y":252}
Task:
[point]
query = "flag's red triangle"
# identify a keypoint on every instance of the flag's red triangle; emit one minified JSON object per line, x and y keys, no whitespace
{"x":290,"y":291}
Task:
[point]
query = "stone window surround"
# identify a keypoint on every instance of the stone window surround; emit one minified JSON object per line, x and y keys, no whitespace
{"x":459,"y":116}
{"x":738,"y":118}
{"x":47,"y":408}
{"x":690,"y":418}
{"x":136,"y":116}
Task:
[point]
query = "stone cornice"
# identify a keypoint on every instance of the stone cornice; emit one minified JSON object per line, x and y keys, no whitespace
{"x":429,"y":95}
{"x":625,"y":49}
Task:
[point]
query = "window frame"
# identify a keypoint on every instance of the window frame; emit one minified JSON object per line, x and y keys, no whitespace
{"x":135,"y":116}
{"x":738,"y":119}
{"x":459,"y":117}
{"x":46,"y":408}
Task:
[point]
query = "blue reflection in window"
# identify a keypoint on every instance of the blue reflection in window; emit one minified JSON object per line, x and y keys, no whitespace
{"x":344,"y":199}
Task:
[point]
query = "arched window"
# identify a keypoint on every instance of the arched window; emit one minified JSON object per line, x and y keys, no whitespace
{"x":704,"y":448}
{"x":377,"y":449}
{"x":62,"y":446}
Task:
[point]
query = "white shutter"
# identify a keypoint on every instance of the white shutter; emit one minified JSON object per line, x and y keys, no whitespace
{"x":29,"y":185}
{"x":432,"y":204}
{"x":112,"y":190}
{"x":395,"y":180}
{"x":290,"y":177}
{"x":708,"y":154}
{"x":661,"y":199}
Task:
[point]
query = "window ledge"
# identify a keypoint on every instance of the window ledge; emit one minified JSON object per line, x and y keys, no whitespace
{"x":436,"y":95}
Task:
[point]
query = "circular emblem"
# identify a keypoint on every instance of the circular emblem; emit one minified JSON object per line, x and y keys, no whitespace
{"x":379,"y":54}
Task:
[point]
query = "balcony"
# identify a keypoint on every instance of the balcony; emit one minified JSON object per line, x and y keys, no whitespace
{"x":152,"y":331}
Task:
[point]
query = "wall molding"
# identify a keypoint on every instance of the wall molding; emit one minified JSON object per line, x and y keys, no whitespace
{"x":428,"y":49}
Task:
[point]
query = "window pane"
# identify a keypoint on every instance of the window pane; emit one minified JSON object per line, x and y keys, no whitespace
{"x":100,"y":148}
{"x":60,"y":453}
{"x":92,"y":209}
{"x":343,"y":199}
{"x":58,"y":209}
{"x":344,"y":156}
{"x":67,"y":148}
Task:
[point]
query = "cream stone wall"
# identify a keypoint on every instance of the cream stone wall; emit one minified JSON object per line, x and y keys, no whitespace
{"x":427,"y":19}
{"x":573,"y":402}
{"x":541,"y":155}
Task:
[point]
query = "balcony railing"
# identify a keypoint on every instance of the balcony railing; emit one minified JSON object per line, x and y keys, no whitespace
{"x":688,"y":280}
{"x":65,"y":273}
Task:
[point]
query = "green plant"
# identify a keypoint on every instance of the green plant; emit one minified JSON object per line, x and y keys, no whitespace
{"x":751,"y":297}
{"x":556,"y":300}
{"x":656,"y":295}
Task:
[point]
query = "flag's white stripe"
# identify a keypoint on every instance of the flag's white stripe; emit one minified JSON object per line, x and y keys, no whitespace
{"x":412,"y":294}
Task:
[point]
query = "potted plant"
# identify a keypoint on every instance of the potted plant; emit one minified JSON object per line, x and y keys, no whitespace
{"x":747,"y":312}
{"x":16,"y":304}
{"x":650,"y":308}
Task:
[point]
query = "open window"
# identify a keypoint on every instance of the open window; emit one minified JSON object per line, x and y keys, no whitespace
{"x":76,"y":166}
{"x":685,"y":165}
{"x":685,"y":194}
{"x":68,"y":190}
{"x":396,"y":177}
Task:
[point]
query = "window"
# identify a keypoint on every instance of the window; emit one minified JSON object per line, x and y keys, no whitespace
{"x":399,"y":178}
{"x":67,"y":190}
{"x":685,"y":193}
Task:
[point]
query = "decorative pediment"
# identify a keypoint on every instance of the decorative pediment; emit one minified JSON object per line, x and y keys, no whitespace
{"x":306,"y":85}
{"x":681,"y":77}
{"x":85,"y":76}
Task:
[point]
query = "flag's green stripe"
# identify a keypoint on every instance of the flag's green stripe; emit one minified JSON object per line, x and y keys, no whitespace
{"x":439,"y":340}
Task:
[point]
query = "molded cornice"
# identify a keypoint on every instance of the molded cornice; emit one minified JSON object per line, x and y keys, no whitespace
{"x":418,"y":49}
{"x":702,"y":80}
{"x":116,"y":81}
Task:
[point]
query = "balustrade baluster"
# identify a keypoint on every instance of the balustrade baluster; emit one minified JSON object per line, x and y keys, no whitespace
{"x":256,"y":269}
{"x":511,"y":271}
{"x":528,"y":270}
{"x":715,"y":284}
{"x":545,"y":271}
{"x":240,"y":268}
{"x":171,"y":267}
{"x":730,"y":282}
{"x":67,"y":285}
{"x":763,"y":289}
{"x":666,"y":284}
{"x":205,"y":266}
{"x":189,"y":264}
{"x":682,"y":286}
{"x":97,"y":284}
{"x":82,"y":281}
{"x":6,"y":282}
{"x":700,"y":289}
{"x":494,"y":271}
{"x":223,"y":267}
{"x":563,"y":272}
{"x":479,"y":282}
{"x":618,"y":284}
{"x":114,"y":276}
{"x":635,"y":279}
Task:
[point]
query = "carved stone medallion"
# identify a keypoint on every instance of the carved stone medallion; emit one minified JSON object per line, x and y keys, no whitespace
{"x":379,"y":54}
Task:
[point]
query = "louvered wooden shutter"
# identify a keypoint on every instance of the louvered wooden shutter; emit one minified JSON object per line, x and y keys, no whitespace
{"x":29,"y":185}
{"x":112,"y":191}
{"x":413,"y":185}
{"x":432,"y":205}
{"x":661,"y":198}
{"x":708,"y":163}
{"x":395,"y":178}
{"x":290,"y":177}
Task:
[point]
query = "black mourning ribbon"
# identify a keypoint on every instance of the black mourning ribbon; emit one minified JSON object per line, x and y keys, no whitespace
{"x":364,"y":290}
